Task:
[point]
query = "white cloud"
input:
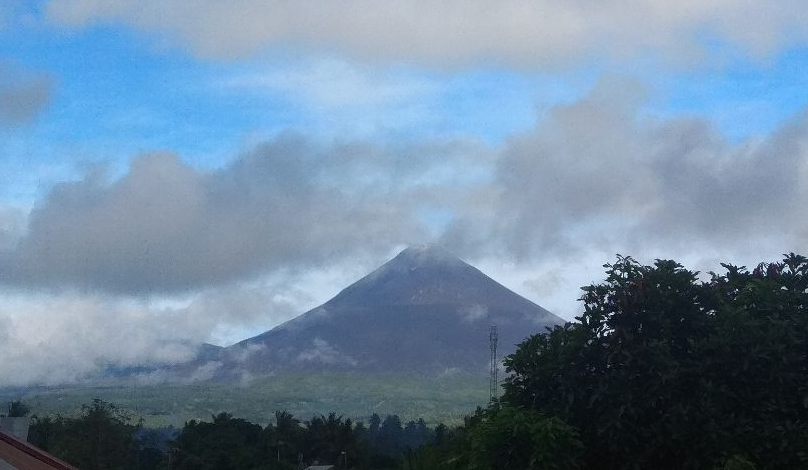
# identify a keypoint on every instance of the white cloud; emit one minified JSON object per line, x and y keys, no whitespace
{"x":329,"y":84}
{"x":61,"y":338}
{"x":451,"y":32}
{"x":473,"y":313}
{"x":323,"y":352}
{"x":205,"y":372}
{"x":341,"y":98}
{"x":53,"y":338}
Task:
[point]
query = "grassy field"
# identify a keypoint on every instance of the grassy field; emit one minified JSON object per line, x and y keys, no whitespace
{"x":443,"y":399}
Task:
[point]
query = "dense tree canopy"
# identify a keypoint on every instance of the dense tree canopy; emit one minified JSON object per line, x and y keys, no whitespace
{"x":665,"y":371}
{"x":17,"y":409}
{"x":102,"y":437}
{"x":507,"y":437}
{"x":232,"y":443}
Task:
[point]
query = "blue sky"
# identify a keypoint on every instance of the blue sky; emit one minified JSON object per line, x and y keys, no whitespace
{"x":222,"y":166}
{"x":118,"y":93}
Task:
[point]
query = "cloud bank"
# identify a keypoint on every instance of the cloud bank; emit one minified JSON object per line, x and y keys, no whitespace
{"x":62,"y":339}
{"x":522,"y":33}
{"x":600,"y":173}
{"x":166,"y":227}
{"x":70,"y":336}
{"x":595,"y":173}
{"x":594,"y":177}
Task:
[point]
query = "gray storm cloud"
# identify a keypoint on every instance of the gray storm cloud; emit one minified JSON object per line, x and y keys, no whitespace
{"x":441,"y":32}
{"x":12,"y":226}
{"x":23,"y":94}
{"x":595,"y":173}
{"x":600,"y":173}
{"x":166,"y":227}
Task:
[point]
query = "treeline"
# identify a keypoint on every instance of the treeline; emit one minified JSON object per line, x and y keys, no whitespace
{"x":288,"y":443}
{"x":104,"y":437}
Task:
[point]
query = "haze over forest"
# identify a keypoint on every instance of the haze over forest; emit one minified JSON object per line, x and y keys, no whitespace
{"x":182,"y":172}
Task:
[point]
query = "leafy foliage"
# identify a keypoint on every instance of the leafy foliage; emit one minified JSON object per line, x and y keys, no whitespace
{"x":101,"y":438}
{"x":512,"y":437}
{"x":231,"y":443}
{"x":226,"y":443}
{"x":663,"y":371}
{"x":17,"y":409}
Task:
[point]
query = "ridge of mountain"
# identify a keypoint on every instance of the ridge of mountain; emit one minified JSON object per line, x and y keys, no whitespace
{"x":423,"y":311}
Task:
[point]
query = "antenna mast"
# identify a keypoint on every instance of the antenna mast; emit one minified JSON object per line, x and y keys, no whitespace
{"x":494,"y":382}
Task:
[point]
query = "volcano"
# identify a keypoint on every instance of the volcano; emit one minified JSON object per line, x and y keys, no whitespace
{"x":424,"y":311}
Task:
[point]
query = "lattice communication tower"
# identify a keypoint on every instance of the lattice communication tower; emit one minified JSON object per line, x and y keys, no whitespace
{"x":494,"y":381}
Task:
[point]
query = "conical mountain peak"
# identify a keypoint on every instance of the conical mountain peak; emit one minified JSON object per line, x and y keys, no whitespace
{"x":424,"y":310}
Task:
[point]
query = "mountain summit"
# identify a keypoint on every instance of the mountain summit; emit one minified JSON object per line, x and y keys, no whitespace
{"x":423,"y":311}
{"x":428,"y":275}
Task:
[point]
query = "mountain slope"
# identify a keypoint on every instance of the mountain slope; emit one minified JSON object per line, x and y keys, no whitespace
{"x":423,"y":311}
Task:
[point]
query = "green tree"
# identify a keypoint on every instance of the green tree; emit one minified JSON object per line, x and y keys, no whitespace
{"x":227,"y":443}
{"x":329,"y":436}
{"x":285,"y":438}
{"x":17,"y":409}
{"x":665,"y":371}
{"x":449,"y":450}
{"x":508,"y":437}
{"x":391,"y":434}
{"x":100,"y":438}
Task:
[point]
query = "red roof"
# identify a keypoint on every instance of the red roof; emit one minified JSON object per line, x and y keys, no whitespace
{"x":24,"y":456}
